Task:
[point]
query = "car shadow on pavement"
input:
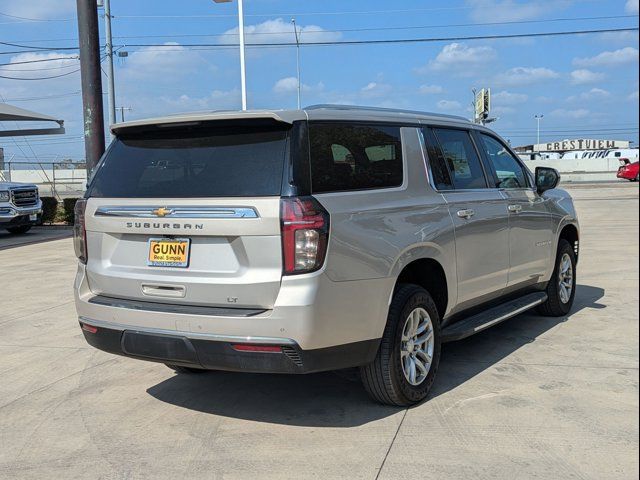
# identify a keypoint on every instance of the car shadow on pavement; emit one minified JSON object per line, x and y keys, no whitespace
{"x":330,"y":400}
{"x":467,"y":358}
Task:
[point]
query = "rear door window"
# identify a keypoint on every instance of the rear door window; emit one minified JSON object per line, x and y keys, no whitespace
{"x":437,"y":165}
{"x":461,"y":158}
{"x":354,"y":157}
{"x":204,"y":162}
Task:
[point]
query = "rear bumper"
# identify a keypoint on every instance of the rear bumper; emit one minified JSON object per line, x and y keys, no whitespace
{"x":218,"y":352}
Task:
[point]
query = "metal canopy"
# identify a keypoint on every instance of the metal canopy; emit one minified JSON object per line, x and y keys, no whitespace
{"x":9,"y":112}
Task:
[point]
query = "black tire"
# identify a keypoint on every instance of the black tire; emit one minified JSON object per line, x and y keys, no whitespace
{"x":384,"y":379}
{"x":19,"y":230}
{"x":554,"y":306}
{"x":181,"y":369}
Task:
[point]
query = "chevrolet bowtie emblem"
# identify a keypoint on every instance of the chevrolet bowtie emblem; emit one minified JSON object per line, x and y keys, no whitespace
{"x":162,"y":212}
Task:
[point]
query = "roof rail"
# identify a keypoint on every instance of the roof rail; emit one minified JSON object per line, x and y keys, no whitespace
{"x":328,"y":106}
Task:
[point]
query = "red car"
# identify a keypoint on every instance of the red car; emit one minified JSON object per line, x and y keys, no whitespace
{"x":629,"y":171}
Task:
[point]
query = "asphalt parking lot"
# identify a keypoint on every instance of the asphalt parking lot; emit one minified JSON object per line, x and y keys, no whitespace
{"x":35,"y":235}
{"x":531,"y":398}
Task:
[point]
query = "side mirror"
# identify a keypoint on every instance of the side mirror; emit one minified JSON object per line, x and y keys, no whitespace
{"x":546,"y":179}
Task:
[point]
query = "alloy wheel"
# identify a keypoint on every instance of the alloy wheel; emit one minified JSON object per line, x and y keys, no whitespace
{"x":565,"y":278}
{"x":416,"y":348}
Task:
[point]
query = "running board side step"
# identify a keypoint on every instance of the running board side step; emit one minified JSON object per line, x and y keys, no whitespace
{"x":483,"y":320}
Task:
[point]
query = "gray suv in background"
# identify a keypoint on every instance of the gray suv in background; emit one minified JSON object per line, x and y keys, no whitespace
{"x":318,"y":239}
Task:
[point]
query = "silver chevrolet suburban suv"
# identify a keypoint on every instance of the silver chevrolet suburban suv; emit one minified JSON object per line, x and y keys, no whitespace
{"x":317,"y":239}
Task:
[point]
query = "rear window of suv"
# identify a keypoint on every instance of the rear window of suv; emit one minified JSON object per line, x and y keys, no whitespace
{"x":203,"y":162}
{"x":354,"y":157}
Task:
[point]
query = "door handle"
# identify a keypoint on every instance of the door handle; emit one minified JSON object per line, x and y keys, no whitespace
{"x":468,"y":213}
{"x":514,"y":208}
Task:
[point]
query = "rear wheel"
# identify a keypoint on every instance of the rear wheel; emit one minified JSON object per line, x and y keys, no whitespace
{"x":181,"y":369}
{"x":561,"y":289}
{"x":20,"y":229}
{"x":407,"y":361}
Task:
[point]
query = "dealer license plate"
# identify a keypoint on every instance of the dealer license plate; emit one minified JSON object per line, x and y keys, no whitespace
{"x":169,"y":252}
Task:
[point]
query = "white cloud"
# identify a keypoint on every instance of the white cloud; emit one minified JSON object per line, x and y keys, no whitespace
{"x":591,"y":95}
{"x":43,"y":65}
{"x":631,"y":6}
{"x":633,"y":96}
{"x":607,"y":59}
{"x":573,"y":114}
{"x":508,"y":98}
{"x":503,"y":110}
{"x":430,"y":89}
{"x":510,"y":10}
{"x":39,"y":9}
{"x":216,"y":100}
{"x":279,"y":31}
{"x":460,"y":58}
{"x":290,"y":84}
{"x":375,"y":90}
{"x":520,"y":76}
{"x":163,"y":63}
{"x":583,"y":76}
{"x":449,"y":105}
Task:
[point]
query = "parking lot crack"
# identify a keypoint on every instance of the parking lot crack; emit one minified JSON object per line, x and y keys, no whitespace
{"x":404,"y":415}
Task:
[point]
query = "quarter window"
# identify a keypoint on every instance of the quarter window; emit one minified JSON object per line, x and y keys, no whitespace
{"x":508,"y":170}
{"x":354,"y":157}
{"x":461,"y":159}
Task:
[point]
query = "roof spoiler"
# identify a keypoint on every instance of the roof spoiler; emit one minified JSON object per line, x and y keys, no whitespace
{"x":194,"y":120}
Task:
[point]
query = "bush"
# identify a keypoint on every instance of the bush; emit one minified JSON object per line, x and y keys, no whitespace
{"x":69,"y":204}
{"x":49,"y":208}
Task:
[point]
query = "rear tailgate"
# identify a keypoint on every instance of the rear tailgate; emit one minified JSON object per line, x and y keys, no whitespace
{"x":214,"y":193}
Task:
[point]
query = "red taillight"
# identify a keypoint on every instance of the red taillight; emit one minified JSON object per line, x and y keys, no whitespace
{"x":80,"y":231}
{"x":305,"y":233}
{"x":89,"y":328}
{"x":248,"y":347}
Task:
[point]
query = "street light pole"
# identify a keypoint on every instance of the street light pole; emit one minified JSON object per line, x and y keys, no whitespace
{"x":243,"y":74}
{"x":538,"y":118}
{"x":295,"y":30}
{"x":243,"y":79}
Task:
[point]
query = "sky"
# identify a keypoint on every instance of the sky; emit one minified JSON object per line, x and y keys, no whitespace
{"x":586,"y":85}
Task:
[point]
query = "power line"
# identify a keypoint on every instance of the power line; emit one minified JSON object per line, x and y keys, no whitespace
{"x":41,"y":78}
{"x":5,"y":69}
{"x":37,"y":19}
{"x":71,"y":57}
{"x":398,"y":40}
{"x":307,"y":14}
{"x":354,"y":42}
{"x":348,"y":30}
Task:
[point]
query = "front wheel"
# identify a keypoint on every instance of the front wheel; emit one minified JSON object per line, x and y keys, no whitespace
{"x":19,"y":230}
{"x":561,"y":289}
{"x":407,"y":361}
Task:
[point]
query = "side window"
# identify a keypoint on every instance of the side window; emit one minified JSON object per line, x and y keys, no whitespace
{"x":354,"y":157}
{"x":438,"y":167}
{"x":508,"y":170}
{"x":461,"y":159}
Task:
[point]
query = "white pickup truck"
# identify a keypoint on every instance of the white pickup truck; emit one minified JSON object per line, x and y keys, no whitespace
{"x":20,"y":206}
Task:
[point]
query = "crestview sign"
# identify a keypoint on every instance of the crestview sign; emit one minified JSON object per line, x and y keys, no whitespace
{"x":581,"y":144}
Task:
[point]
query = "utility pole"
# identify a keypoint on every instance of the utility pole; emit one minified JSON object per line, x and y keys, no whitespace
{"x":111,"y":89}
{"x":122,"y":109}
{"x":538,"y":118}
{"x":90,"y":75}
{"x":295,"y":30}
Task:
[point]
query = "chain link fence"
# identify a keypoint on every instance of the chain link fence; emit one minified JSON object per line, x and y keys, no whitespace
{"x":54,"y":179}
